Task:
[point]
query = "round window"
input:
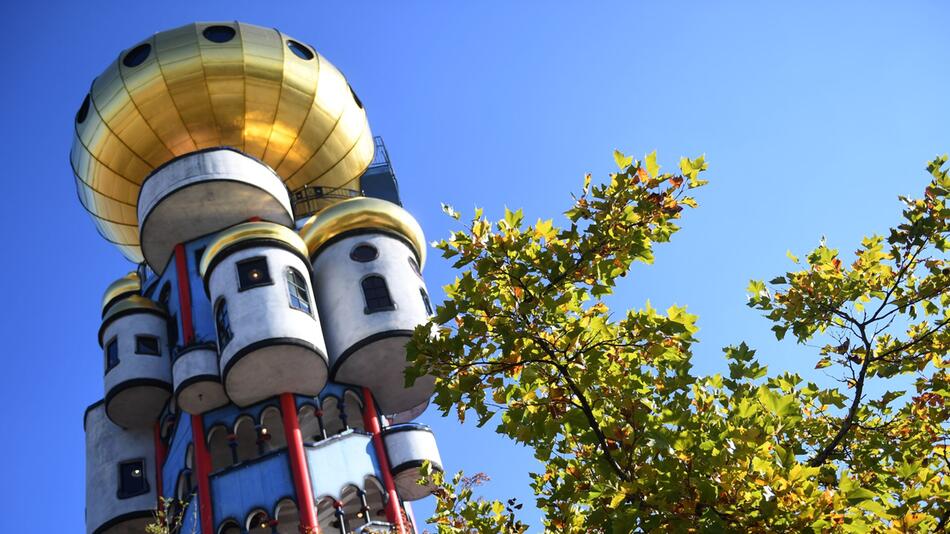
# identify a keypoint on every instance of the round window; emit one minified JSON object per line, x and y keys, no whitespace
{"x":83,"y":110}
{"x":355,"y":98}
{"x":364,"y":253}
{"x":219,"y":34}
{"x":299,"y":50}
{"x":137,"y":55}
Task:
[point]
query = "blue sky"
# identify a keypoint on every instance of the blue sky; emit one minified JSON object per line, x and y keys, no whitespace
{"x":813,"y":117}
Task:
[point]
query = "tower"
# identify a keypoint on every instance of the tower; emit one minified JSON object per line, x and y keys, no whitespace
{"x":253,"y":361}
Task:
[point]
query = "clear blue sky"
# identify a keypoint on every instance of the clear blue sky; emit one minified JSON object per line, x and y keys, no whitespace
{"x":813,"y":118}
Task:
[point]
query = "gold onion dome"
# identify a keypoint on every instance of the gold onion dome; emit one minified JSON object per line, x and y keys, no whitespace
{"x":359,"y":214}
{"x":207,"y":85}
{"x":123,"y":287}
{"x":251,"y":231}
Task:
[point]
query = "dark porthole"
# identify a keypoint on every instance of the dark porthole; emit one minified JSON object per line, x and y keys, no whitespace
{"x":137,"y":55}
{"x":299,"y":50}
{"x":364,"y":253}
{"x":219,"y":34}
{"x":355,"y":98}
{"x":83,"y":110}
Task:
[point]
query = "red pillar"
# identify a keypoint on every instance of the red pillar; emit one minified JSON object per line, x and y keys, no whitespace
{"x":160,"y":453}
{"x":203,"y":468}
{"x":184,"y":294}
{"x":371,"y":422}
{"x":298,"y":464}
{"x":202,"y":457}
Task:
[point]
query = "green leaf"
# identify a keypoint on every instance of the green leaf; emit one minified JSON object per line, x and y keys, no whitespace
{"x":653,"y":168}
{"x":622,"y":161}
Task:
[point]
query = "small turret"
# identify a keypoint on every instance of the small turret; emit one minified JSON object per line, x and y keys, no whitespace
{"x":269,"y":338}
{"x":367,"y":257}
{"x":134,"y":339}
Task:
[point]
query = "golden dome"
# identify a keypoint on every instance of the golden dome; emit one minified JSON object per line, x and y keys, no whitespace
{"x":127,"y":285}
{"x":208,"y":85}
{"x":359,"y":214}
{"x":252,"y":231}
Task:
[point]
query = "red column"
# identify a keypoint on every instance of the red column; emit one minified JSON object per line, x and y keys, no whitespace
{"x":202,"y":457}
{"x":184,"y":294}
{"x":371,"y":422}
{"x":160,"y":453}
{"x":298,"y":464}
{"x":203,"y":468}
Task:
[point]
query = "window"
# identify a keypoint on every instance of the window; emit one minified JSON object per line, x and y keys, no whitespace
{"x":147,"y":345}
{"x":425,"y":300}
{"x":112,"y":354}
{"x":165,"y":295}
{"x":253,"y":273}
{"x":132,"y":480}
{"x":223,"y":324}
{"x":83,"y":111}
{"x":299,"y":50}
{"x":297,"y":287}
{"x":415,"y":266}
{"x":364,"y":253}
{"x":137,"y":55}
{"x":376,"y":294}
{"x":219,"y":34}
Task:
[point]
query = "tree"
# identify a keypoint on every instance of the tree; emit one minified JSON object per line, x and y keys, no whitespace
{"x":631,"y":440}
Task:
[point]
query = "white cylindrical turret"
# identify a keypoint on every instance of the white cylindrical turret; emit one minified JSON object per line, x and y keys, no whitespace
{"x":202,"y":193}
{"x":269,"y":336}
{"x":120,"y":475}
{"x":134,"y":340}
{"x":367,"y":255}
{"x":408,"y":446}
{"x":198,"y":385}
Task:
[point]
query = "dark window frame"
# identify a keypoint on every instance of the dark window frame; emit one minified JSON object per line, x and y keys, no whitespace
{"x":114,"y":342}
{"x":426,"y":301}
{"x":414,"y":264}
{"x":222,"y":322}
{"x":126,"y":493}
{"x":298,"y":291}
{"x":244,"y":281}
{"x":375,"y":303}
{"x":157,"y":351}
{"x":364,"y":259}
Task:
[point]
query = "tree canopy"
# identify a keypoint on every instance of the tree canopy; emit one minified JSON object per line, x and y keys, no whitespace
{"x":630,"y":439}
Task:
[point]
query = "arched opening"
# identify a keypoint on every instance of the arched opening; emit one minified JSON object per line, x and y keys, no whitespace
{"x":310,"y":426}
{"x":246,"y":437}
{"x":220,"y":448}
{"x":288,"y":519}
{"x":328,"y":516}
{"x":353,"y":408}
{"x":375,"y":499}
{"x":258,"y":522}
{"x":332,"y":420}
{"x":272,"y":430}
{"x":229,"y":527}
{"x":353,"y":510}
{"x":167,"y":426}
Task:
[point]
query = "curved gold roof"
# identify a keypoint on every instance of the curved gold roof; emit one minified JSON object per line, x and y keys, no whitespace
{"x":132,"y":304}
{"x":129,"y":283}
{"x":363,"y":213}
{"x":190,"y":88}
{"x":249,"y":232}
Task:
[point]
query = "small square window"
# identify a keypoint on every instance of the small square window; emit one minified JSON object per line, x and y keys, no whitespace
{"x":112,"y":354}
{"x":132,"y":479}
{"x":253,"y":273}
{"x":147,"y":345}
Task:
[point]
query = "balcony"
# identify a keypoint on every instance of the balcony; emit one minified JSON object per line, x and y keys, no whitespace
{"x":249,"y":485}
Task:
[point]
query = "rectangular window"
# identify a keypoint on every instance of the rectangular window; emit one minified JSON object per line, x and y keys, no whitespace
{"x":147,"y":345}
{"x":112,"y":354}
{"x":132,"y":480}
{"x":253,"y":273}
{"x":222,"y":324}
